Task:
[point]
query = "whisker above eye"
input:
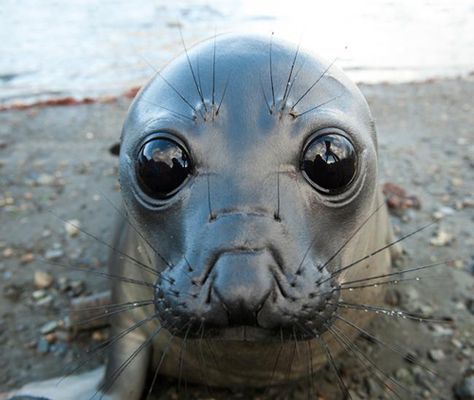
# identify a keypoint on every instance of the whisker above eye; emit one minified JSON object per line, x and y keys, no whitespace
{"x":313,"y":85}
{"x":198,"y":88}
{"x":271,"y":70}
{"x":288,"y":82}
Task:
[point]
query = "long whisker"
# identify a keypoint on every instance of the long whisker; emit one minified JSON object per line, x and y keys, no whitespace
{"x":172,"y":87}
{"x":209,"y":204}
{"x":181,"y":352}
{"x":115,"y":311}
{"x":105,"y":345}
{"x":157,"y":369}
{"x":108,"y":245}
{"x":342,"y":269}
{"x":277,"y":213}
{"x":271,"y":71}
{"x":316,"y":107}
{"x":351,"y":237}
{"x":288,"y":82}
{"x":315,"y":237}
{"x":199,"y":89}
{"x":383,"y":283}
{"x":392,"y":347}
{"x":399,"y":273}
{"x":100,"y":273}
{"x":342,"y":385}
{"x":265,"y":98}
{"x":125,"y":216}
{"x":224,"y":92}
{"x":107,"y":306}
{"x":193,"y":118}
{"x":311,"y":367}
{"x":387,"y":312}
{"x":214,"y":72}
{"x":105,"y":387}
{"x":292,"y":84}
{"x":313,"y":85}
{"x":360,"y":356}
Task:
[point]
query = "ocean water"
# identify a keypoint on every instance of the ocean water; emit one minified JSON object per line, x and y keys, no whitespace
{"x":88,"y":48}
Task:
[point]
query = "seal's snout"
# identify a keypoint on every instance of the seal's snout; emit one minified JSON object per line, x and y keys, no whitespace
{"x":242,"y":281}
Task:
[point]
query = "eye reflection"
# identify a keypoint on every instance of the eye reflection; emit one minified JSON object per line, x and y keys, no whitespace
{"x":162,"y":167}
{"x":329,"y":163}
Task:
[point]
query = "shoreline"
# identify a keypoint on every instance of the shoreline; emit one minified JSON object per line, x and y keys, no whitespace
{"x":72,"y":100}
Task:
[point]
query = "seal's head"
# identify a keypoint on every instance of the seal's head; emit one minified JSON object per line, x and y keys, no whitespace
{"x":247,"y":165}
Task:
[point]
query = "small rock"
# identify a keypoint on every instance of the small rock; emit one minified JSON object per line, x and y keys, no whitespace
{"x":442,"y":238}
{"x":436,"y":355}
{"x":99,"y":336}
{"x":72,"y":227}
{"x":38,"y":294}
{"x":53,"y":254}
{"x":45,"y":180}
{"x":12,"y":292}
{"x":404,"y":376}
{"x":43,"y":280}
{"x":49,"y":327}
{"x":8,"y":252}
{"x":441,"y":330}
{"x":45,"y":301}
{"x":398,"y":199}
{"x":27,"y":258}
{"x":457,"y":182}
{"x":50,"y":338}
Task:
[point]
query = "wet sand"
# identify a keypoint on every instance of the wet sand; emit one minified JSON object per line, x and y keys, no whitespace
{"x":57,"y":158}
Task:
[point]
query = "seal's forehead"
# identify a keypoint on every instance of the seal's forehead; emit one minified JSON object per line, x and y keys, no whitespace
{"x":251,"y":76}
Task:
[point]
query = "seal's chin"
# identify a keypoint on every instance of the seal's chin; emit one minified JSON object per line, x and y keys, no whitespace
{"x":245,"y":333}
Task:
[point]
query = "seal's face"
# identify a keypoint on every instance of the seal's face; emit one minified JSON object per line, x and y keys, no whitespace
{"x":245,"y":166}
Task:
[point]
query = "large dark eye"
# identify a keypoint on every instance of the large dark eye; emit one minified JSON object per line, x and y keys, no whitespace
{"x":162,"y":167}
{"x":329,"y":163}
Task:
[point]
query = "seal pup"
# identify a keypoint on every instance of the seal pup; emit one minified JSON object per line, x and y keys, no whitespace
{"x":248,"y":172}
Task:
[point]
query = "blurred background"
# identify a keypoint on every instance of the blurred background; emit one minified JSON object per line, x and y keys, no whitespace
{"x":86,"y":48}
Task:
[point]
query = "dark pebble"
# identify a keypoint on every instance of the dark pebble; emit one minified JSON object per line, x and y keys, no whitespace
{"x":12,"y":292}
